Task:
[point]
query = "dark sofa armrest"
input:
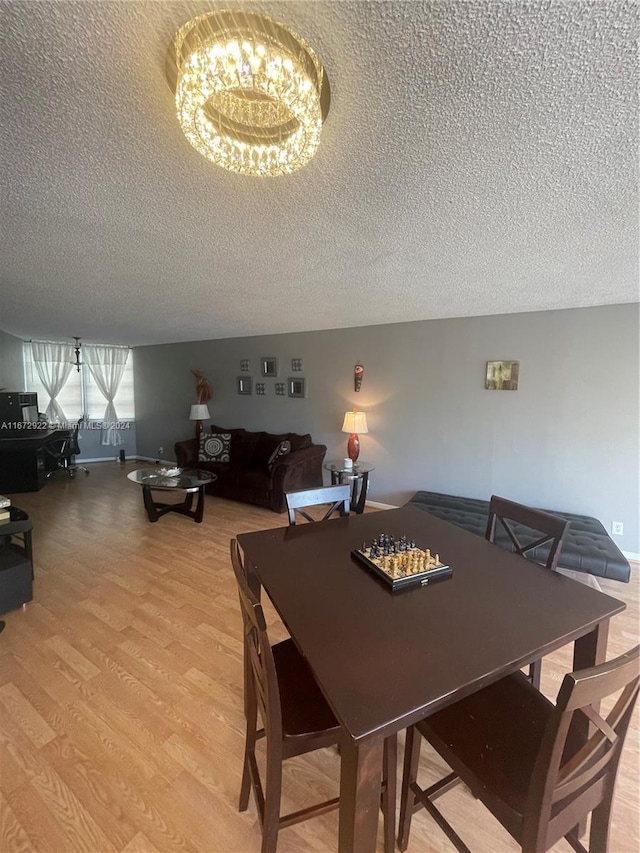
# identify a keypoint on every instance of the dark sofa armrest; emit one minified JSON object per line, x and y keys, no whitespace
{"x":186,"y":453}
{"x":301,"y":469}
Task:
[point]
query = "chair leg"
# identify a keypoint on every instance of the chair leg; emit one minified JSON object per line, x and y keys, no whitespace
{"x":409,"y":775}
{"x":251,"y":736}
{"x":599,"y":832}
{"x":249,"y":751}
{"x":273,"y":793}
{"x":389,"y":780}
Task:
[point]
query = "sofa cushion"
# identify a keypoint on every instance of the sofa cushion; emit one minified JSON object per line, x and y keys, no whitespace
{"x":299,"y":442}
{"x":243,"y":446}
{"x":281,"y":450}
{"x":267,"y":445}
{"x":214,"y":447}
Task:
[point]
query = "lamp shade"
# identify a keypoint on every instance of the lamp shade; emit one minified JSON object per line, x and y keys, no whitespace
{"x":199,"y":412}
{"x":355,"y":422}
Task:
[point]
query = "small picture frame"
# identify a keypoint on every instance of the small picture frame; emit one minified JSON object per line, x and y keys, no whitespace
{"x":296,"y":387}
{"x":502,"y":375}
{"x":296,"y":365}
{"x":261,"y":389}
{"x":269,"y":366}
{"x":244,"y":385}
{"x":281,"y":389}
{"x":245,"y":365}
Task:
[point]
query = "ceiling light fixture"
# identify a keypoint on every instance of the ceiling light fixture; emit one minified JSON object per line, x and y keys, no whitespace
{"x":250,"y":94}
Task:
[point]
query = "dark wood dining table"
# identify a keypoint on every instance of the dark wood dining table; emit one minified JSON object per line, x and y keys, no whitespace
{"x":386,"y":659}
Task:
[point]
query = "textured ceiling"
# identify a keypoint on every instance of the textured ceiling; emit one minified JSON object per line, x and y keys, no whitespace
{"x":478,"y":158}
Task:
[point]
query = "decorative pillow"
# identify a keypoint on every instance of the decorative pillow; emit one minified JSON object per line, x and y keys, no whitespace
{"x":267,"y":444}
{"x":214,"y":447}
{"x":281,"y":450}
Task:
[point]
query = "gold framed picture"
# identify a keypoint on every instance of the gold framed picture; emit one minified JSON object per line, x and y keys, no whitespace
{"x":502,"y":375}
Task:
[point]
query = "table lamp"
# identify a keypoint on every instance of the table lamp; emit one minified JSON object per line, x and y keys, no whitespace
{"x":199,"y":413}
{"x":354,"y":422}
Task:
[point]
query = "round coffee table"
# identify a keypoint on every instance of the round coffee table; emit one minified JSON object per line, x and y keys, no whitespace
{"x":167,"y":480}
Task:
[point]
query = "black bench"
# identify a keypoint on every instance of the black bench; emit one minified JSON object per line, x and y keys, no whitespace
{"x":587,"y":546}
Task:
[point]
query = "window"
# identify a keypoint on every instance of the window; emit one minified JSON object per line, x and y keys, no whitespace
{"x":80,"y":395}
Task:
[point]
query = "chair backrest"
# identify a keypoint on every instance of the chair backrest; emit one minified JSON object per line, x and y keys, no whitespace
{"x":576,"y":767}
{"x":262,"y":680}
{"x":522,"y":525}
{"x":74,"y":445}
{"x":58,"y":449}
{"x":339,"y":498}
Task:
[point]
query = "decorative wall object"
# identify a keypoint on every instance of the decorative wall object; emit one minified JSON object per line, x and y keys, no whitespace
{"x":269,"y":366}
{"x":244,"y":385}
{"x":297,"y":387}
{"x":502,"y":375}
{"x":281,"y":389}
{"x":261,"y":389}
{"x":358,"y":373}
{"x":296,"y":365}
{"x":245,"y":365}
{"x":203,"y":388}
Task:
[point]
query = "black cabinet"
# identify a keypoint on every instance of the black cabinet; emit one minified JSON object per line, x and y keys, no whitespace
{"x":16,"y":586}
{"x":16,"y":560}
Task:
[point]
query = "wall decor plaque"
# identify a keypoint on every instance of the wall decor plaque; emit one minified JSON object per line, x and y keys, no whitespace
{"x":502,"y":375}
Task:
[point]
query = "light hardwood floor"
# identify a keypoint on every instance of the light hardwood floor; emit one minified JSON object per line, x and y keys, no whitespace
{"x":121,"y":725}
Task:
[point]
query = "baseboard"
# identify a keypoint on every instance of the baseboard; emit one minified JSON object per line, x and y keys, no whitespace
{"x":631,"y":555}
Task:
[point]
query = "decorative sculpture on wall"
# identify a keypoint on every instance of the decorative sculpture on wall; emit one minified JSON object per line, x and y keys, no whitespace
{"x":358,"y":373}
{"x":203,"y":389}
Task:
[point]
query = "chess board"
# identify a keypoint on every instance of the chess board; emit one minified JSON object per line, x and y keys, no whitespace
{"x":401,"y":563}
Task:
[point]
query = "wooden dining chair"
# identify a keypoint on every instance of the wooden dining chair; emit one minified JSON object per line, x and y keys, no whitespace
{"x":534,"y":765}
{"x":296,"y":719}
{"x":523,"y":526}
{"x":338,"y":498}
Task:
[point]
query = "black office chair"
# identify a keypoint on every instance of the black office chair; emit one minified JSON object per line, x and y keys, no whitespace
{"x":62,"y":453}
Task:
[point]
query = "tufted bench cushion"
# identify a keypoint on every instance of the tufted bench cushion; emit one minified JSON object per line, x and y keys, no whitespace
{"x":587,"y":546}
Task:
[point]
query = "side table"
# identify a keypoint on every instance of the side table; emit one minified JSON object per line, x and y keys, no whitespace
{"x":358,"y":477}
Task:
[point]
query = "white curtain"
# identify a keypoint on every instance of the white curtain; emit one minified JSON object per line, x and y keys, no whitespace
{"x":53,"y":364}
{"x":107,"y":367}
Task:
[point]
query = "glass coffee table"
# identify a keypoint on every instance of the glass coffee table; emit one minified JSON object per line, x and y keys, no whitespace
{"x":189,"y":480}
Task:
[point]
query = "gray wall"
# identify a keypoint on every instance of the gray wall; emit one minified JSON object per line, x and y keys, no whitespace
{"x":11,"y":369}
{"x":92,"y":450}
{"x":567,"y":439}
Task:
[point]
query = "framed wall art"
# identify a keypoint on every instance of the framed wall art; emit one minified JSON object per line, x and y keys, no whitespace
{"x":296,"y":387}
{"x":281,"y":389}
{"x":269,"y":366}
{"x":261,"y":389}
{"x":245,"y":385}
{"x":502,"y":375}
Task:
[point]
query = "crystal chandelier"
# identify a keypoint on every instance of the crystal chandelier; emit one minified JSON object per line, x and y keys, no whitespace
{"x":250,"y":94}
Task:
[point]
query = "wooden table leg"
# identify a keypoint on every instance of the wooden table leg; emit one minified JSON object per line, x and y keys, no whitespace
{"x":591,"y":649}
{"x":360,"y":785}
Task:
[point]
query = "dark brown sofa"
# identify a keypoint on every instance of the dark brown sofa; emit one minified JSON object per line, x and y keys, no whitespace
{"x":248,"y":476}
